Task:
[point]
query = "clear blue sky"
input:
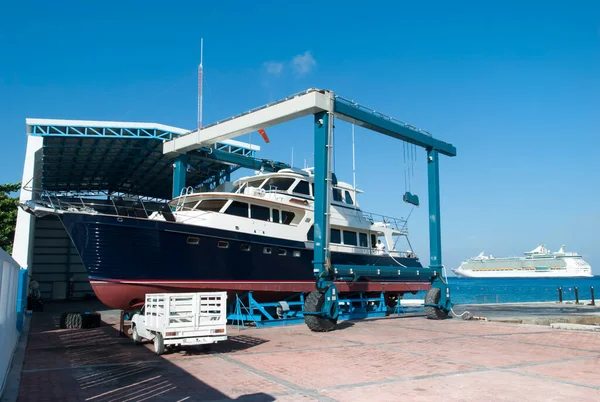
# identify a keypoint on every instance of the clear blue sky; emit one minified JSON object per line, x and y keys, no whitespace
{"x":514,"y":85}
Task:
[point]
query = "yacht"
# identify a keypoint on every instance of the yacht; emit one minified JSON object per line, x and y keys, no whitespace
{"x":255,"y":234}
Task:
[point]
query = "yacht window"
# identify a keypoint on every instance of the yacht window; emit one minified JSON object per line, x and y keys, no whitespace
{"x":302,"y":188}
{"x":362,"y":240}
{"x":212,"y":205}
{"x":287,"y":217}
{"x":266,"y":250}
{"x":278,"y":183}
{"x":349,"y":199}
{"x":245,"y":247}
{"x":238,"y":209}
{"x":189,"y":206}
{"x":258,"y":212}
{"x":223,"y":244}
{"x":296,"y":253}
{"x":282,"y":251}
{"x":311,"y":233}
{"x":337,"y":194}
{"x":350,"y":238}
{"x":276,"y":215}
{"x":373,"y":241}
{"x":193,"y":240}
{"x":336,"y":236}
{"x":312,"y":188}
{"x":255,"y":183}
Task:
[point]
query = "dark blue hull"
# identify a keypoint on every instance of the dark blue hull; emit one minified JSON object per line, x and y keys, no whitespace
{"x":157,"y":254}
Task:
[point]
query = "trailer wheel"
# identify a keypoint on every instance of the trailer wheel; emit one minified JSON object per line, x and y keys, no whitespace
{"x":433,"y":297}
{"x":313,"y":304}
{"x":137,"y":339}
{"x":159,"y":344}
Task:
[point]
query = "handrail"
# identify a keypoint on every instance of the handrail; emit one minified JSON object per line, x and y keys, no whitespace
{"x":398,"y":224}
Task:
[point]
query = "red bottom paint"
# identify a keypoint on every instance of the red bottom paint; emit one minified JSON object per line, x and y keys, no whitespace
{"x":126,"y":295}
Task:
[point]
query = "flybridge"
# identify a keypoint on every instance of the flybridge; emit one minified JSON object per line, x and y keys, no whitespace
{"x":302,"y":104}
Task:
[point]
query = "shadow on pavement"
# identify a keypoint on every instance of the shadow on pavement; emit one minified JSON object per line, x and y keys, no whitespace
{"x":101,"y":365}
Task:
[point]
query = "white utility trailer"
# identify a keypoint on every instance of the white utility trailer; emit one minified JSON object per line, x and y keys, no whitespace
{"x":181,"y":319}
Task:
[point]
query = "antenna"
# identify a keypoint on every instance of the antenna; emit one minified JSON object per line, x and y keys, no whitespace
{"x":200,"y":84}
{"x":353,"y":165}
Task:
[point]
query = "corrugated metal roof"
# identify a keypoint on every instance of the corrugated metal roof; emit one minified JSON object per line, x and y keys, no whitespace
{"x":92,"y":157}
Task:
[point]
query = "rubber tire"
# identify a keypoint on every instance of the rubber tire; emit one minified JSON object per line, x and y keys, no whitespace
{"x":159,"y":344}
{"x":313,"y":304}
{"x":80,"y":320}
{"x":137,"y":339}
{"x":433,"y":297}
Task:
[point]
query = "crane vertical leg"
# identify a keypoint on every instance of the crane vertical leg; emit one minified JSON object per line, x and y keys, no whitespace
{"x":437,"y":301}
{"x":179,"y":173}
{"x":321,"y":196}
{"x":321,"y":308}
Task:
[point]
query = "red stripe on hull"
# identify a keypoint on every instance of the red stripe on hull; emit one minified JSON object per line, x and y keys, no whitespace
{"x":125,"y":294}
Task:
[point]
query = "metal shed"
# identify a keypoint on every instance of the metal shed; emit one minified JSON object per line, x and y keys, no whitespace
{"x":99,"y":159}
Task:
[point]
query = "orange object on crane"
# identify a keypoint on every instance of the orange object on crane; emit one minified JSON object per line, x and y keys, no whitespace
{"x":263,"y":134}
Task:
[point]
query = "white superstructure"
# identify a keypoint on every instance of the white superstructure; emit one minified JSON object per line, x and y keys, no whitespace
{"x":537,"y":263}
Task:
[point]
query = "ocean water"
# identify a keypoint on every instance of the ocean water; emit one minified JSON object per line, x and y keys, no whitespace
{"x":515,"y":290}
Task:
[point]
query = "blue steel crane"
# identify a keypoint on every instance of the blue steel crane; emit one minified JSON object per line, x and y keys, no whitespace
{"x":321,"y":308}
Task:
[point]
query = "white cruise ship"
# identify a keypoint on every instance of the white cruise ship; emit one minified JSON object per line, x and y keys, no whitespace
{"x":537,"y":263}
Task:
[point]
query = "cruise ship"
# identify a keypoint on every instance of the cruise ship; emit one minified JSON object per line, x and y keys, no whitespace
{"x":537,"y":263}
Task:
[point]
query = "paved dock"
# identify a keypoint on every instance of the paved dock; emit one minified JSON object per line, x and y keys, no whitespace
{"x":388,"y":359}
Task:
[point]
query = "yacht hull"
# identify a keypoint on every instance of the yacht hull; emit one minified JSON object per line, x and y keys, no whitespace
{"x":128,"y":257}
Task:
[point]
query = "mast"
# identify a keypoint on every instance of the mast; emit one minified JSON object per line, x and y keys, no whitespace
{"x":200,"y":84}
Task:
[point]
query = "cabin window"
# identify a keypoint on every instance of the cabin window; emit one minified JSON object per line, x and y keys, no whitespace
{"x":336,"y":236}
{"x":302,"y":188}
{"x":188,"y":206}
{"x":312,"y":188}
{"x":258,"y":212}
{"x":362,"y":240}
{"x":373,"y":241}
{"x":245,"y":247}
{"x":278,"y":183}
{"x":255,"y":183}
{"x":350,"y":238}
{"x":287,"y":217}
{"x":296,"y":253}
{"x":282,"y":252}
{"x":223,"y":244}
{"x":267,"y":250}
{"x":276,"y":215}
{"x":212,"y":205}
{"x":193,"y":240}
{"x":349,"y":199}
{"x":238,"y":209}
{"x":311,"y":233}
{"x":337,"y":194}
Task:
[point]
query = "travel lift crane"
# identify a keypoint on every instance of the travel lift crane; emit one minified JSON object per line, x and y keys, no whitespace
{"x":321,"y":308}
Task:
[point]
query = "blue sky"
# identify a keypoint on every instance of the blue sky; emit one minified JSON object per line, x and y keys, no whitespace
{"x":512,"y":84}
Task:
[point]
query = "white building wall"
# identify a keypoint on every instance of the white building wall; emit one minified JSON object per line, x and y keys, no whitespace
{"x":9,"y":335}
{"x":23,"y":247}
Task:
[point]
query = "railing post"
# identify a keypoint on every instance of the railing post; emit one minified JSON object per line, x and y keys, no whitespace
{"x":593,"y":303}
{"x":560,"y":294}
{"x":576,"y":295}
